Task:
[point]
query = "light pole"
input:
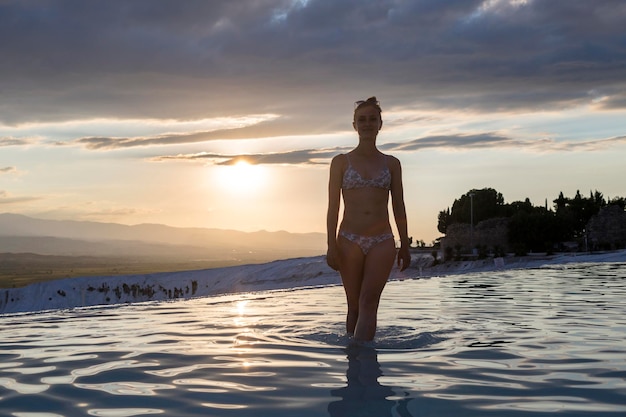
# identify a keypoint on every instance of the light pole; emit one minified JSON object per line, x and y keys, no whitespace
{"x":471,"y":195}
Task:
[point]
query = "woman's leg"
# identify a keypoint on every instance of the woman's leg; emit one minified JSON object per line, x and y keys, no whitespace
{"x":377,"y":266}
{"x":352,"y":260}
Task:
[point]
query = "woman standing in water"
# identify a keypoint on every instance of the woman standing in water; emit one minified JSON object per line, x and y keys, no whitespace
{"x":364,"y":249}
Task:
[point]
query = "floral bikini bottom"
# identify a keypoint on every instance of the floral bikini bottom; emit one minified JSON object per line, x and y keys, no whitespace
{"x":366,"y":242}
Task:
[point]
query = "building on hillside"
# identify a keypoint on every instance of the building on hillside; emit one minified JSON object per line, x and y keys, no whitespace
{"x":490,"y":235}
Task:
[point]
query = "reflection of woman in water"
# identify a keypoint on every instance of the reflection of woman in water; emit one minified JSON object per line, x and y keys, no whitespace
{"x":364,"y":395}
{"x":364,"y":249}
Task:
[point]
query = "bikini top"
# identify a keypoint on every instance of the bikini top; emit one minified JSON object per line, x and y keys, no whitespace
{"x":352,"y":179}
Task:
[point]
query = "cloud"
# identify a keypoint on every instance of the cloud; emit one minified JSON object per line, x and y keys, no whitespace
{"x":134,"y":132}
{"x":455,"y":142}
{"x":594,"y":145}
{"x":114,"y":143}
{"x":7,"y":199}
{"x":495,"y":141}
{"x":8,"y":170}
{"x":297,"y":157}
{"x":610,"y":101}
{"x":268,"y":126}
{"x":10,"y":141}
{"x":71,"y":60}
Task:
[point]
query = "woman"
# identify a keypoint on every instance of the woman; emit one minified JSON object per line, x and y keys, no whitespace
{"x":364,"y":249}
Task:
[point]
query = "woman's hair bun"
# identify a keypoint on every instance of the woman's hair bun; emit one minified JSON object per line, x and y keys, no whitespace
{"x":372,"y":101}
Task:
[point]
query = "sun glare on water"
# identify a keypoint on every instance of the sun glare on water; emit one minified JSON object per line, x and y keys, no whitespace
{"x":241,"y":178}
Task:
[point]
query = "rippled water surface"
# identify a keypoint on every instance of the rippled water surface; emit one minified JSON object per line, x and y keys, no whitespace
{"x":511,"y":343}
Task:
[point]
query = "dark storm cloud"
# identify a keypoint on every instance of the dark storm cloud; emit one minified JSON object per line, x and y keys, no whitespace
{"x":303,"y":59}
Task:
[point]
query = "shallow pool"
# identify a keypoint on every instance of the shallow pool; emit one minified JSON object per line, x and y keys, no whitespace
{"x":534,"y":342}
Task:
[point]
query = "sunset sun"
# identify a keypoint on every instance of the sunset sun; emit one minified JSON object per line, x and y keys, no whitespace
{"x":241,"y":178}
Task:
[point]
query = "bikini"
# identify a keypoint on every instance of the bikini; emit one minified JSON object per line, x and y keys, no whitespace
{"x":353,"y":180}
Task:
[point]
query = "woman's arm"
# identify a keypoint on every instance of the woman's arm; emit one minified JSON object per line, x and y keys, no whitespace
{"x":332,"y":216}
{"x":399,"y":213}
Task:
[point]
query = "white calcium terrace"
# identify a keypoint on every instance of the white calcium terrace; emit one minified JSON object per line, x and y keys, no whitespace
{"x":283,"y":274}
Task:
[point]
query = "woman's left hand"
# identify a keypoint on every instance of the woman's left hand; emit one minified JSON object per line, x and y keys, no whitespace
{"x":404,"y":258}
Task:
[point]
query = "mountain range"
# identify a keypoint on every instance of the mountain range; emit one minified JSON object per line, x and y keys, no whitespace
{"x":23,"y":234}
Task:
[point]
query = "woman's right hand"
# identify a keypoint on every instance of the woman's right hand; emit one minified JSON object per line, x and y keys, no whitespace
{"x":332,"y":258}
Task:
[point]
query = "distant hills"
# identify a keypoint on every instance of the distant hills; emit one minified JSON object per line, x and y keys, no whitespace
{"x":23,"y":234}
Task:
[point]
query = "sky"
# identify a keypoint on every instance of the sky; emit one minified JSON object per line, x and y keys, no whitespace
{"x":143,"y":111}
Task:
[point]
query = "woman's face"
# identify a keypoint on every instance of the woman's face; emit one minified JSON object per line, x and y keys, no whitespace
{"x":367,"y":122}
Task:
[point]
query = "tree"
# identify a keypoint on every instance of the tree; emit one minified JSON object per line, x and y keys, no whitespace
{"x":520,"y":206}
{"x":487,"y":203}
{"x":443,"y":220}
{"x":530,"y":228}
{"x":618,"y":201}
{"x":536,"y":230}
{"x":598,"y":199}
{"x":576,"y":212}
{"x":560,"y":202}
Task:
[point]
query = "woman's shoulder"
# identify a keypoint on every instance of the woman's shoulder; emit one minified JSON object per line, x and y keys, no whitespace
{"x":391,"y":160}
{"x":341,"y":158}
{"x":339,"y":161}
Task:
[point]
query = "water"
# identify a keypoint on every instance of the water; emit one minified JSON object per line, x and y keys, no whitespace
{"x":535,"y":342}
